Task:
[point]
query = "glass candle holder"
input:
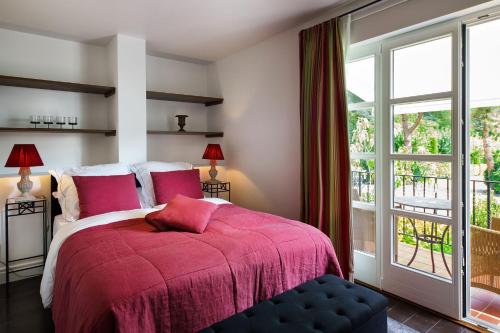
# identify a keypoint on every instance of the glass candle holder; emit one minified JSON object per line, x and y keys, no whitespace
{"x":35,"y":120}
{"x":48,"y":120}
{"x":60,"y":120}
{"x":73,"y":121}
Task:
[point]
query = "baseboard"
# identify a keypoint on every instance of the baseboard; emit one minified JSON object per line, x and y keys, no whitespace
{"x":26,"y":274}
{"x":438,"y":314}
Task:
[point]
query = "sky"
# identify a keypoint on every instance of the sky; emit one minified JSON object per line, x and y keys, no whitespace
{"x":484,"y":63}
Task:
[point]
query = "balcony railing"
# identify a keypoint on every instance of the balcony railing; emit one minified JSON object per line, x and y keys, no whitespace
{"x":478,"y":185}
{"x":485,"y":203}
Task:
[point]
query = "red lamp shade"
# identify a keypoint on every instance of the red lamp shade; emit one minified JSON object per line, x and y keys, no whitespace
{"x":213,"y":152}
{"x":23,"y":156}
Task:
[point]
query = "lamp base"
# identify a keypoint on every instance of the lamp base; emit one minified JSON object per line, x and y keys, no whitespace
{"x":25,"y":184}
{"x":213,"y":173}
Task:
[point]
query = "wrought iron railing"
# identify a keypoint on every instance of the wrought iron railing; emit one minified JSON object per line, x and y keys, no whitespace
{"x":363,"y":184}
{"x":426,"y":183}
{"x":490,"y":189}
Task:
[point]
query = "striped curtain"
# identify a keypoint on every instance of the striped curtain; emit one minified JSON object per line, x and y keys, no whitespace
{"x":326,"y":202}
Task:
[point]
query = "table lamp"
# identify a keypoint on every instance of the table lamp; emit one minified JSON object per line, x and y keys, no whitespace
{"x":213,"y":152}
{"x":24,"y":156}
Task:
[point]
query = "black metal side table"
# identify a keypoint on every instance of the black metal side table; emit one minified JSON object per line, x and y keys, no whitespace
{"x":22,"y":208}
{"x":216,"y":188}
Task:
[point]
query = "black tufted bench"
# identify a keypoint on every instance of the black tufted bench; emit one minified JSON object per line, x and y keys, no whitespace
{"x":327,"y":304}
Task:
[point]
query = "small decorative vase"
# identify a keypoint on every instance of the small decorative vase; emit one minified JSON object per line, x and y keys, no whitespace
{"x":181,"y":121}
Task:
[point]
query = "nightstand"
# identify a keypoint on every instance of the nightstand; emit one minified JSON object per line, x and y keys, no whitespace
{"x":22,"y":208}
{"x":216,"y":188}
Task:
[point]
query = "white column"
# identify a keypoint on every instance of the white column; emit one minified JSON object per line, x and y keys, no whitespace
{"x":127,"y":63}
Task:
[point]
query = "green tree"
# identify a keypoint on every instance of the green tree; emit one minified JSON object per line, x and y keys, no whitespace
{"x":482,"y":121}
{"x":409,"y":129}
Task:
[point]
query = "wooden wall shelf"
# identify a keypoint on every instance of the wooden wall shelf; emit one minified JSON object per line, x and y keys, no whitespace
{"x":164,"y":96}
{"x":58,"y":130}
{"x":14,"y":81}
{"x":206,"y":134}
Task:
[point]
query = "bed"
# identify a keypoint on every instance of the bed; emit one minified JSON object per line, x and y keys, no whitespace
{"x":115,"y":272}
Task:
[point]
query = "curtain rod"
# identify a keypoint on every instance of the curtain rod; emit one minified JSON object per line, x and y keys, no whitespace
{"x":353,"y":10}
{"x":361,"y":7}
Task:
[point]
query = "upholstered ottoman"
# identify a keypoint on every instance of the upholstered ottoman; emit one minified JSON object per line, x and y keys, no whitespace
{"x":327,"y":304}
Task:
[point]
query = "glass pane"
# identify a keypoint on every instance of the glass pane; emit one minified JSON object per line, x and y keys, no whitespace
{"x":363,"y":196}
{"x":423,"y":68}
{"x":484,"y":172}
{"x":362,"y":131}
{"x":423,"y":245}
{"x":423,"y":187}
{"x":363,"y":180}
{"x":422,"y":128}
{"x":361,"y":80}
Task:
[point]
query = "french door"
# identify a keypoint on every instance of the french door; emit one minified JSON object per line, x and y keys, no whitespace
{"x":421,"y":167}
{"x":482,"y":167}
{"x":405,"y":128}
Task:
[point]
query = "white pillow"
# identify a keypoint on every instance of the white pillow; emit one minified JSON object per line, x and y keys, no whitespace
{"x":66,"y":189}
{"x":143,"y":174}
{"x":57,"y":174}
{"x":99,"y":170}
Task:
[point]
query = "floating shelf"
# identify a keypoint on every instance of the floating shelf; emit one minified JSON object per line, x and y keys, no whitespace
{"x":58,"y":130}
{"x":163,"y":96}
{"x":14,"y":81}
{"x":206,"y":134}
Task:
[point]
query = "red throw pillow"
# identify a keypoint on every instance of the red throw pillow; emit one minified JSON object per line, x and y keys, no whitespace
{"x":104,"y":194}
{"x":168,"y":184}
{"x":183,"y":213}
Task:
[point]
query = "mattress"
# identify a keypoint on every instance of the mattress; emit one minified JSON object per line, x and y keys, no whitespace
{"x":59,"y":222}
{"x":116,"y":273}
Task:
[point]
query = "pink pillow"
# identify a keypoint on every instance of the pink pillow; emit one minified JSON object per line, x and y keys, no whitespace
{"x":183,"y":213}
{"x":168,"y":184}
{"x":104,"y":194}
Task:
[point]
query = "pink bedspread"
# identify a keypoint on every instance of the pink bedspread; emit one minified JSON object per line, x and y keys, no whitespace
{"x":127,"y":277}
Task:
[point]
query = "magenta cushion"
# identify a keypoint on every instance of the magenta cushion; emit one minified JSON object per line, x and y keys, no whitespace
{"x":183,"y":213}
{"x":168,"y":184}
{"x":104,"y":194}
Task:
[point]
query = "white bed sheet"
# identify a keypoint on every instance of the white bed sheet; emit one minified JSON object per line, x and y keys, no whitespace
{"x":69,"y":228}
{"x":59,"y":222}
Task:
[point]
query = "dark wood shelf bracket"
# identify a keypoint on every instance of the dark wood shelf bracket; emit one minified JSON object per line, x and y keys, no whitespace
{"x":164,"y":96}
{"x":206,"y":134}
{"x":23,"y":82}
{"x":58,"y":130}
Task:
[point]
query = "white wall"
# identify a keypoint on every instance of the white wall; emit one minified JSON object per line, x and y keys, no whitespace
{"x":124,"y":64}
{"x":128,"y":115}
{"x":260,"y":120}
{"x":403,"y":15}
{"x":182,"y":78}
{"x":53,"y":59}
{"x":41,"y":57}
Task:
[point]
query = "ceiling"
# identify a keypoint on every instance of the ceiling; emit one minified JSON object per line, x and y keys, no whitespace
{"x":200,"y":29}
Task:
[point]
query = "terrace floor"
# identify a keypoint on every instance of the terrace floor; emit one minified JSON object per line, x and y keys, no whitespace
{"x":485,"y":305}
{"x":422,"y":260}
